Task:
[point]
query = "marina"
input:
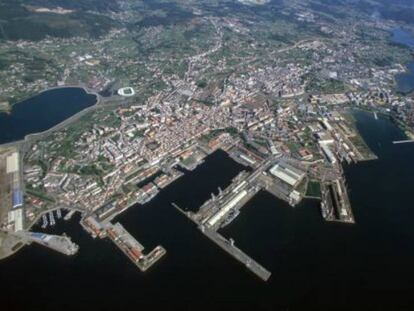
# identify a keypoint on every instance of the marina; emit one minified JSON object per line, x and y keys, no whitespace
{"x":52,"y":219}
{"x":45,"y":222}
{"x":69,"y":215}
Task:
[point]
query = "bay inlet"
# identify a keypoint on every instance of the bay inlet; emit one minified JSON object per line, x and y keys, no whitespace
{"x":405,"y":81}
{"x":42,"y":112}
{"x":314,"y":264}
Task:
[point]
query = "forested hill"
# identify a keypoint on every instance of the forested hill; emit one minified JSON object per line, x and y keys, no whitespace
{"x":36,"y":19}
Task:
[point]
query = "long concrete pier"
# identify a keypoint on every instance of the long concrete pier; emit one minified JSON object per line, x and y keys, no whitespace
{"x":403,"y":141}
{"x":230,"y":248}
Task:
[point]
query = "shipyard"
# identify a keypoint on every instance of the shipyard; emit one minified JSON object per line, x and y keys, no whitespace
{"x":291,"y":143}
{"x":235,"y":154}
{"x":272,"y":167}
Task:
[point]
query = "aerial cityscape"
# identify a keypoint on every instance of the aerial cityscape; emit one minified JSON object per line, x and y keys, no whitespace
{"x":207,"y":154}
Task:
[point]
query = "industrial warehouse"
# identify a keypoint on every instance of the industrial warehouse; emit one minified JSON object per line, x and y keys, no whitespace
{"x":287,"y":173}
{"x":10,"y":179}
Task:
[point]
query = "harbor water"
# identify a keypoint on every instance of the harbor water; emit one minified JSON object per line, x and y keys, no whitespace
{"x":314,"y":264}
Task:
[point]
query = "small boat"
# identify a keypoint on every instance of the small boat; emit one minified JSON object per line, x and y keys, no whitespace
{"x":44,"y":225}
{"x":52,"y":219}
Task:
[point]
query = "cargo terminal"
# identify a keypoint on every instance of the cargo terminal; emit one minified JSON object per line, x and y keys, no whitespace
{"x":124,"y":241}
{"x":11,"y":188}
{"x":287,"y":173}
{"x":276,"y":175}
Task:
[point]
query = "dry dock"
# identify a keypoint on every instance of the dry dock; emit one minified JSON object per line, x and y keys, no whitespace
{"x":335,"y":204}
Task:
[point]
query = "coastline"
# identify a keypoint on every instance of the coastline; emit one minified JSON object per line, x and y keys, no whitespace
{"x":25,"y":143}
{"x":407,"y":72}
{"x":406,"y":67}
{"x":33,"y":136}
{"x":77,"y":86}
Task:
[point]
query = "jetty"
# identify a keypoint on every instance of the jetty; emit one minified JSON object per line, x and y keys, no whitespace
{"x":403,"y":141}
{"x":229,"y":247}
{"x":62,"y":244}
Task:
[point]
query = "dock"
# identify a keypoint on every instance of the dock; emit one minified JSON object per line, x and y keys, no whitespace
{"x":123,"y":240}
{"x":230,"y":248}
{"x":69,"y":215}
{"x":62,"y":244}
{"x":132,"y":248}
{"x":403,"y":141}
{"x":335,"y":204}
{"x":224,"y":207}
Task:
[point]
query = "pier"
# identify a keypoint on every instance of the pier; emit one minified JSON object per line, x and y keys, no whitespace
{"x":132,"y":248}
{"x":69,"y":215}
{"x":62,"y":244}
{"x":403,"y":141}
{"x":279,"y":175}
{"x":124,"y":241}
{"x":230,"y":248}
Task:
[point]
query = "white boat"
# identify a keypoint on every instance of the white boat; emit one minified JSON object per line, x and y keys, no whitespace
{"x":44,"y":225}
{"x":52,"y":219}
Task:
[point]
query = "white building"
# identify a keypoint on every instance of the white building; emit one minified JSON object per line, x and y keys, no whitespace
{"x":287,"y":173}
{"x":226,"y":208}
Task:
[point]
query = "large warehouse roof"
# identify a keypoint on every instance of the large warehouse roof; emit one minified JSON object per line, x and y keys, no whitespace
{"x":16,"y":217}
{"x":12,"y":163}
{"x":287,"y":173}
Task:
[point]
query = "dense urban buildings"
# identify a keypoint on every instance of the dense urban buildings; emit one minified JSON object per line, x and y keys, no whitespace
{"x":273,"y":84}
